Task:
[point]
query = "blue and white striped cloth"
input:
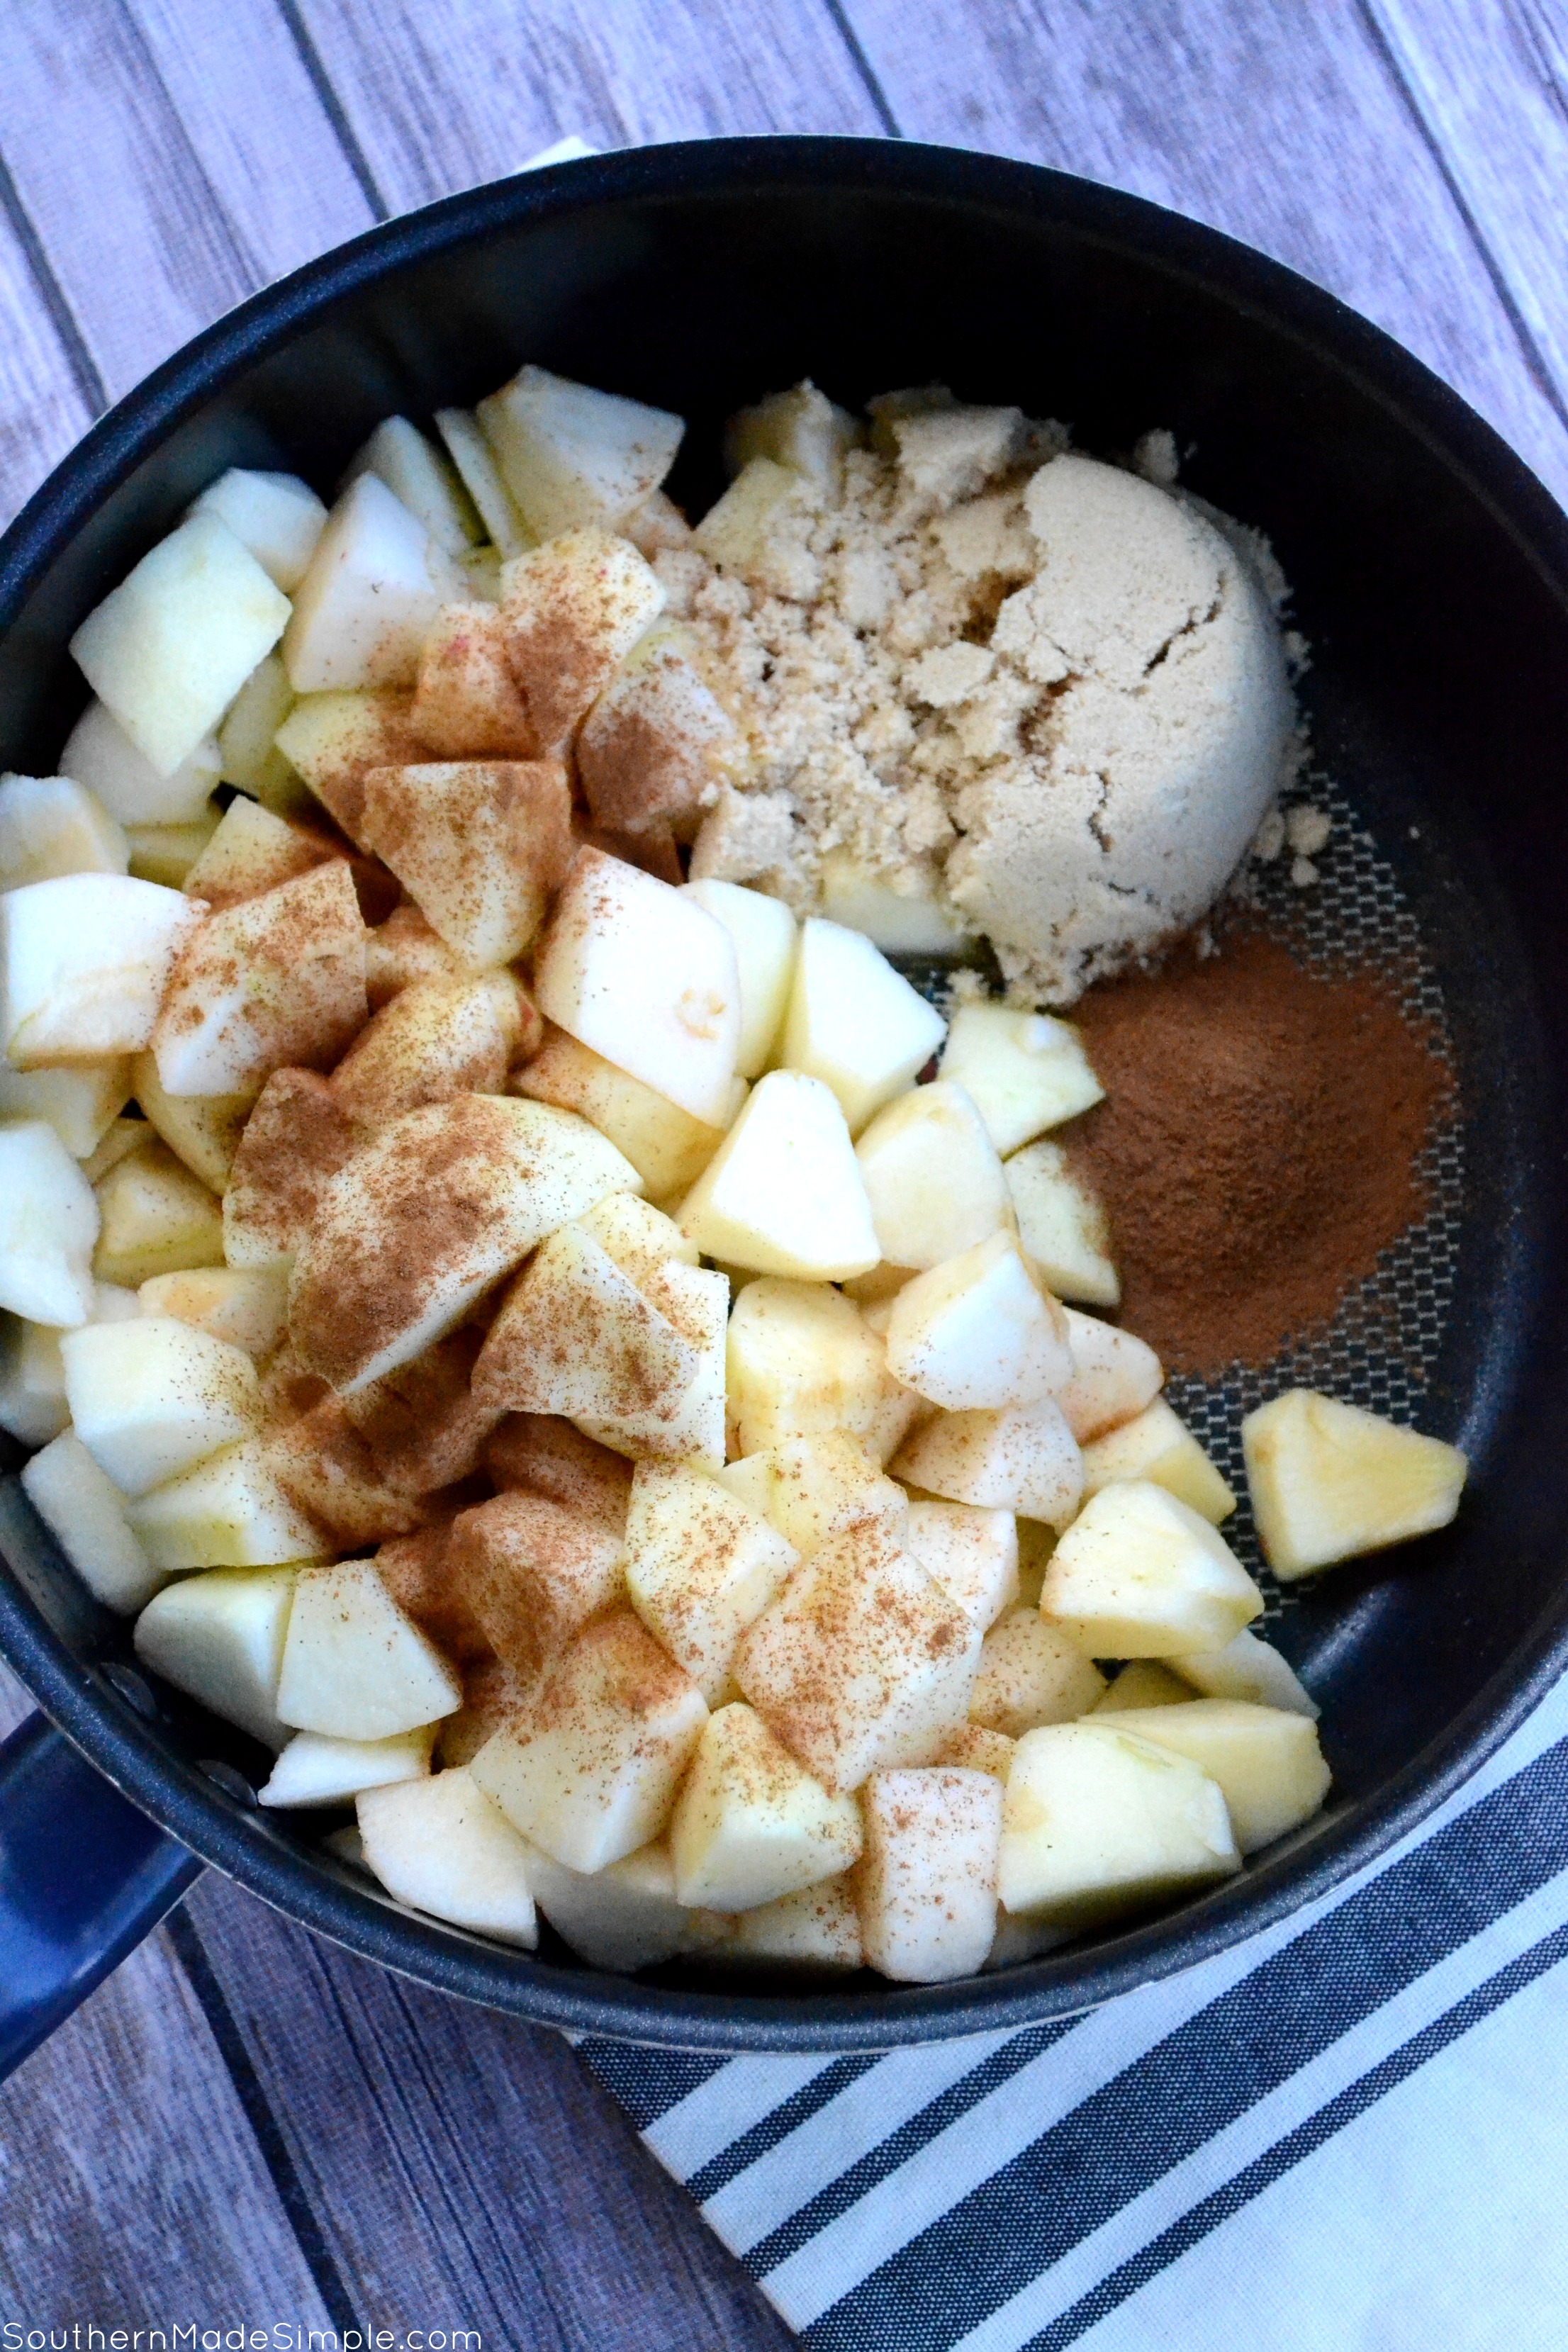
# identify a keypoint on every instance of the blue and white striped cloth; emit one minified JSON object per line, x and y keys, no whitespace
{"x":1347,"y":2134}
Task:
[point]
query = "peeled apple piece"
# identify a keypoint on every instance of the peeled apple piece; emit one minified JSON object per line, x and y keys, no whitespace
{"x":978,"y":1331}
{"x":700,"y":1565}
{"x":1249,"y":1669}
{"x":1062,"y":1225}
{"x":853,"y":1022}
{"x":1030,"y":1673}
{"x":927,"y":1881}
{"x":625,"y":1917}
{"x":481,"y":477}
{"x":84,"y":962}
{"x":84,"y":1511}
{"x":315,"y":1769}
{"x":440,"y":1845}
{"x":572,"y":454}
{"x":1139,"y":1575}
{"x":1097,"y":1822}
{"x":801,"y":1362}
{"x":277,"y":516}
{"x":100,"y":754}
{"x":1157,"y":1444}
{"x":170,"y":648}
{"x":1025,"y":1071}
{"x":81,"y":1101}
{"x":425,"y":480}
{"x":783,"y":1193}
{"x":933,"y":1180}
{"x":48,"y":1224}
{"x":1020,"y":1458}
{"x":751,"y":1824}
{"x":369,"y":597}
{"x":1267,"y":1760}
{"x":226,"y":1511}
{"x":972,"y":1554}
{"x":50,"y":825}
{"x":219,"y":1638}
{"x":763,"y":932}
{"x":354,"y":1666}
{"x":151,"y":1396}
{"x":1114,"y":1376}
{"x":1329,"y":1481}
{"x":814,"y":1932}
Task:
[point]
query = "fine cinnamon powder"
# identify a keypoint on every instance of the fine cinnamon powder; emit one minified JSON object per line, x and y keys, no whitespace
{"x":1259,"y":1146}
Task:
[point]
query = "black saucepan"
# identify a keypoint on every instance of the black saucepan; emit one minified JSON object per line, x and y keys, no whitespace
{"x":1431,"y":574}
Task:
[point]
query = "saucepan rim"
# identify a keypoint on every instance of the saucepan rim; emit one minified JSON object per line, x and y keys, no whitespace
{"x":246,"y":1845}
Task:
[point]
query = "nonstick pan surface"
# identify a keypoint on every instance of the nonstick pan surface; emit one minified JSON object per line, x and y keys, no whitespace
{"x":1429,"y":571}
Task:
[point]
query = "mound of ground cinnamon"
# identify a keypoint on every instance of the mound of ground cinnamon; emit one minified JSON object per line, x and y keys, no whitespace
{"x":1259,"y":1146}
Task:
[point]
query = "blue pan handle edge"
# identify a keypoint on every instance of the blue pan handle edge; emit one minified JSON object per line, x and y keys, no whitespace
{"x":83,"y":1878}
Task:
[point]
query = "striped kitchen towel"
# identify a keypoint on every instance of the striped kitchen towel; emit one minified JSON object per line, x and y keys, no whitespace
{"x":1347,"y":2134}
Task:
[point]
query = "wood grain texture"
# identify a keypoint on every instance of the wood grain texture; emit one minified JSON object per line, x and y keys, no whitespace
{"x":1280,"y":124}
{"x":464,"y":2169}
{"x":43,"y":406}
{"x":441,"y":98}
{"x":132,"y":2187}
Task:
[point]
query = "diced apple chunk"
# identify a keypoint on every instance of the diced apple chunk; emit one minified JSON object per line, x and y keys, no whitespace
{"x":248,"y":750}
{"x":1156,"y":1444}
{"x":50,"y":827}
{"x":317,"y":1770}
{"x":862,"y":1663}
{"x":750,"y":1824}
{"x":972,"y":1749}
{"x":978,"y":1332}
{"x":81,"y":1104}
{"x":901,"y":921}
{"x":1062,"y":1225}
{"x":1030,"y":1673}
{"x":379,"y":1278}
{"x":648,"y":977}
{"x":1114,"y":1377}
{"x":800,"y":428}
{"x":665,"y":1144}
{"x":434,"y":1040}
{"x":854,"y":1023}
{"x":811,"y":1488}
{"x":933,"y":1177}
{"x":574,"y":1335}
{"x":1025,"y":1071}
{"x":480,"y":844}
{"x":1249,"y":1669}
{"x":423,"y":479}
{"x":571,"y":612}
{"x":972,"y":1554}
{"x":814,"y":1932}
{"x":1329,"y":1482}
{"x":532,"y":1573}
{"x":294,"y":1142}
{"x":642,"y":1241}
{"x":623,"y":1917}
{"x":155,"y":1218}
{"x":100,"y":754}
{"x":354,"y":1666}
{"x":1021,"y":1459}
{"x":84,"y":962}
{"x":151,"y":1396}
{"x":784,"y":1195}
{"x":927,"y":1881}
{"x":1097,"y":1822}
{"x":753,"y":530}
{"x":1139,"y":1575}
{"x":84,"y":1510}
{"x":333,"y":740}
{"x":165,"y":854}
{"x":572,"y":455}
{"x":227,"y":1511}
{"x":1266,"y":1759}
{"x":440,"y":1845}
{"x":203,"y":1130}
{"x":589,"y":1772}
{"x":764,"y":932}
{"x":170,"y":648}
{"x":250,"y":851}
{"x":540,"y":1455}
{"x":801,"y":1362}
{"x":700,"y":1567}
{"x":48,"y":1224}
{"x":696,"y":1300}
{"x":1143,"y":1683}
{"x":219,"y":1638}
{"x":648,"y":753}
{"x":373,"y":587}
{"x":277,"y":516}
{"x":466,"y":703}
{"x":475,"y":460}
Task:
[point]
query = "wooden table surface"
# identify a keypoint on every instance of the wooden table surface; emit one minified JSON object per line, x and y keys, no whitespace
{"x":244,"y":2126}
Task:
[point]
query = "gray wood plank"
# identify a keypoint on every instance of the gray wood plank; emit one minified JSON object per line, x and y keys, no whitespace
{"x":43,"y":408}
{"x":173,"y":159}
{"x":440,"y":99}
{"x":1490,"y":80}
{"x":132,"y":2187}
{"x":464,"y":2168}
{"x":1280,"y":124}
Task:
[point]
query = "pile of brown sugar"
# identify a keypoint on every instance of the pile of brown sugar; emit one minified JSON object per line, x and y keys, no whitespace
{"x":1259,"y":1146}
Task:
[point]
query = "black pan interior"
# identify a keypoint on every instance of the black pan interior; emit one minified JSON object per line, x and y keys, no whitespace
{"x":1428,"y":571}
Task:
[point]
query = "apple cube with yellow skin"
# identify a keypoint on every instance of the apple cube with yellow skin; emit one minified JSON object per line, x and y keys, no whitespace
{"x":85,"y":1512}
{"x":1156,"y":1444}
{"x":354,"y":1666}
{"x":571,"y":612}
{"x":927,"y":1880}
{"x":575,"y":1335}
{"x":1062,"y":1225}
{"x":80,"y":1103}
{"x":48,"y":1225}
{"x":439,"y":1844}
{"x":696,"y":1300}
{"x":100,"y":754}
{"x":972,"y":1554}
{"x":1025,"y":1071}
{"x":372,"y":589}
{"x":1249,"y":1669}
{"x":1139,"y":1575}
{"x":765,"y":933}
{"x":589,"y":1772}
{"x":378,"y":1280}
{"x":277,"y":516}
{"x":571,"y":454}
{"x":801,"y":1362}
{"x":862,"y":1663}
{"x":979,"y":1333}
{"x":700,"y":1565}
{"x":783,"y":1193}
{"x":317,"y":1770}
{"x":854,"y":1023}
{"x":933,"y":1180}
{"x":84,"y":963}
{"x":1020,"y":1458}
{"x":1031,"y":1673}
{"x":155,"y":1217}
{"x":1098,"y":1822}
{"x":1265,"y":1758}
{"x":1329,"y":1482}
{"x":219,"y":1638}
{"x":816,"y":1933}
{"x":228,"y":1510}
{"x":151,"y":1396}
{"x":626,"y":1916}
{"x":811,"y":1488}
{"x":1114,"y":1377}
{"x":665,"y":1144}
{"x":50,"y":825}
{"x":1143,"y":1683}
{"x":170,"y":648}
{"x":751,"y":1824}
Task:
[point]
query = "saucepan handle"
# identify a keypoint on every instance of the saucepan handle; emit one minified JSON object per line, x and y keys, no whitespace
{"x":83,"y":1877}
